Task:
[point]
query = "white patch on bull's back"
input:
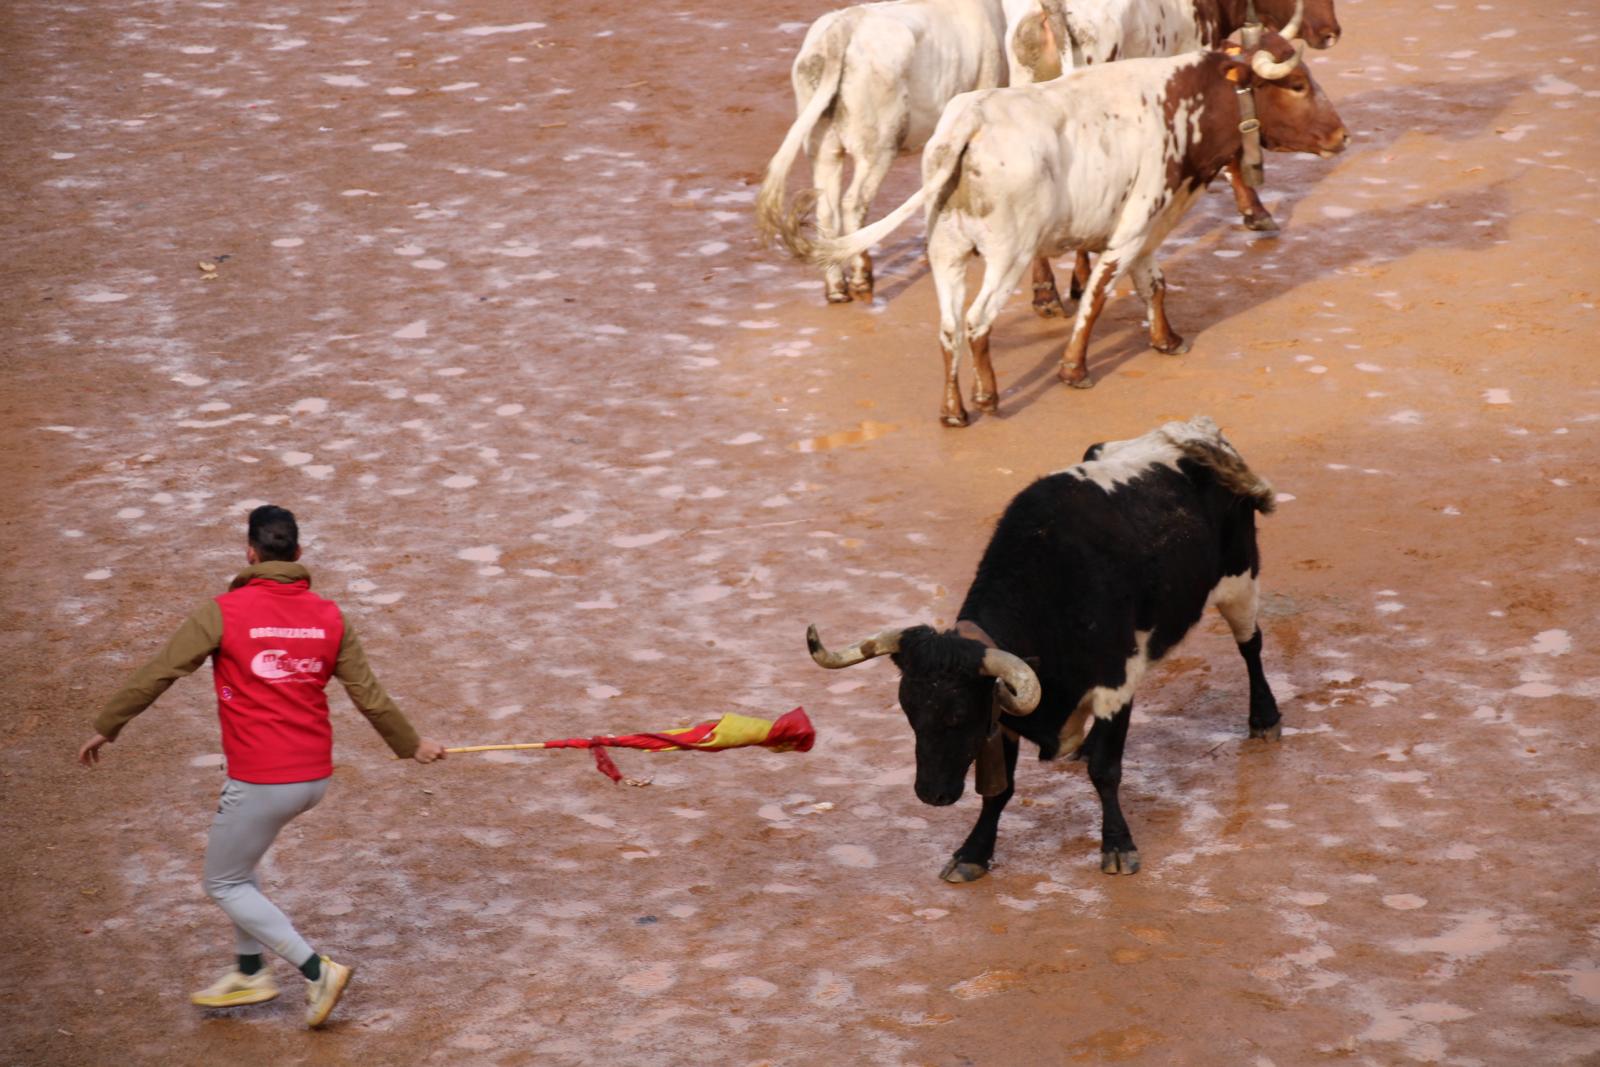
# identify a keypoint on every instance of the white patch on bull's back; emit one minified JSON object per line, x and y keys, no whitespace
{"x":1120,"y":462}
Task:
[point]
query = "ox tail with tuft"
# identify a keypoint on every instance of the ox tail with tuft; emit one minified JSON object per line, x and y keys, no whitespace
{"x":772,"y":221}
{"x":1201,"y":441}
{"x":941,"y":160}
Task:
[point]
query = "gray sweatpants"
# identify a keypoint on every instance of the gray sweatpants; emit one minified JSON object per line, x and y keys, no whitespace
{"x":248,"y":819}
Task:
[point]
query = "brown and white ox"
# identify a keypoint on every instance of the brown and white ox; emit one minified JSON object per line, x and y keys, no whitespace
{"x":1103,"y":31}
{"x":870,"y":83}
{"x":1106,"y":159}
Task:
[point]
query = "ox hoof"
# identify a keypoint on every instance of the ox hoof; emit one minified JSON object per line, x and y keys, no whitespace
{"x":1124,"y":862}
{"x":1175,"y":347}
{"x":956,"y":421}
{"x":1261,"y":223}
{"x":1075,"y":375}
{"x":958,"y":871}
{"x":988,"y":403}
{"x":1049,"y":308}
{"x":1268,"y":733}
{"x":862,"y":289}
{"x":838,"y":296}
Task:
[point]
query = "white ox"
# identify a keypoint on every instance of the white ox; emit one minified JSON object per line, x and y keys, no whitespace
{"x":870,"y":83}
{"x":1106,"y":159}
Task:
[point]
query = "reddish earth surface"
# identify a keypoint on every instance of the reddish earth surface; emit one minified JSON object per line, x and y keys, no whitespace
{"x":579,"y":457}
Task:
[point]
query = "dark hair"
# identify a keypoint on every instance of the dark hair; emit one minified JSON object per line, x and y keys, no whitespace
{"x":274,"y":533}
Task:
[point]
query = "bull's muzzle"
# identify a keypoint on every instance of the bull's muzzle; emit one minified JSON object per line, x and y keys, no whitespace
{"x":1335,"y":144}
{"x":939,"y":797}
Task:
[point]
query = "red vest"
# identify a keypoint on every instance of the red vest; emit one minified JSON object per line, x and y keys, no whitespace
{"x":280,"y":643}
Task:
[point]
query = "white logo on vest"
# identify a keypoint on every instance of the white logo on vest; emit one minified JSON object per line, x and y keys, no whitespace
{"x":275,"y":663}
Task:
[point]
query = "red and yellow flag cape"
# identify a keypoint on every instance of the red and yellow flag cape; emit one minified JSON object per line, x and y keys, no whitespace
{"x":790,"y":732}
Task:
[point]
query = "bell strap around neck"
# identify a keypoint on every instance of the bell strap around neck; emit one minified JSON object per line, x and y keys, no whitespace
{"x":990,"y":779}
{"x":1252,"y":167}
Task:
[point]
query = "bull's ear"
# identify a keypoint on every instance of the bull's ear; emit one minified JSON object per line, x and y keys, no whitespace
{"x":1036,"y":45}
{"x":1236,"y":70}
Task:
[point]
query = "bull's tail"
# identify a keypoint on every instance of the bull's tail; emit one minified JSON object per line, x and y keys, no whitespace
{"x":772,"y":221}
{"x":941,"y":160}
{"x":1201,"y":441}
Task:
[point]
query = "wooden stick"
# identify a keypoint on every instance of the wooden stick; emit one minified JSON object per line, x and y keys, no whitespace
{"x":497,"y":748}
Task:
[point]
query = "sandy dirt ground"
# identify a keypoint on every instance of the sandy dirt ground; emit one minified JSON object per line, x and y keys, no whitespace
{"x":578,"y":457}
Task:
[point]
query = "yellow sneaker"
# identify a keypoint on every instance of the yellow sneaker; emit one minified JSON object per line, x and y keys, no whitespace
{"x":325,"y":992}
{"x":234,"y":989}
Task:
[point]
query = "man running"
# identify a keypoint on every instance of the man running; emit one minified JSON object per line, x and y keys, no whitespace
{"x":273,"y":644}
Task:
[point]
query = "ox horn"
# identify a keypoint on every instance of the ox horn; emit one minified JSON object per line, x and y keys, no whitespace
{"x":1018,"y":690}
{"x":880,"y":644}
{"x":1263,"y":64}
{"x":1291,"y":29}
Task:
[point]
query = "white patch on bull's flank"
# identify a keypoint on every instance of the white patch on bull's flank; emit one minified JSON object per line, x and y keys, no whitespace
{"x":1106,"y":702}
{"x":1237,"y":597}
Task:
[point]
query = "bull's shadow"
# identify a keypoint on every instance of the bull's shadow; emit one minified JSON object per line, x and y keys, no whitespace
{"x":1472,"y":220}
{"x":1453,"y":111}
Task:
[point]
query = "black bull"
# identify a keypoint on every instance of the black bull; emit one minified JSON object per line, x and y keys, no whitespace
{"x":1092,"y":574}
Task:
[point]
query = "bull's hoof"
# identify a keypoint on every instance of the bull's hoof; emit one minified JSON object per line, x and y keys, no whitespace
{"x":955,"y":421}
{"x":1049,"y":307}
{"x":861,"y":288}
{"x":1261,"y":223}
{"x":986,"y":402}
{"x":1175,"y":347}
{"x":839,"y":296}
{"x":1078,"y":378}
{"x":1268,"y":733}
{"x":1124,"y":862}
{"x":958,"y":871}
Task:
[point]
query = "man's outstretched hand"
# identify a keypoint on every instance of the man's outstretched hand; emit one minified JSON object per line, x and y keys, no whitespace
{"x":427,"y":751}
{"x":89,"y":754}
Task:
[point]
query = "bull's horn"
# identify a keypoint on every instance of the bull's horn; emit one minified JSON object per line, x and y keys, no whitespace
{"x":1291,"y":29}
{"x":1018,"y":690}
{"x":1263,"y":64}
{"x":881,"y":644}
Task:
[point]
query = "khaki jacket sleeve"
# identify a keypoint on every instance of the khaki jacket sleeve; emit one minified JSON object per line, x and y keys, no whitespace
{"x":195,"y":640}
{"x":369,"y":696}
